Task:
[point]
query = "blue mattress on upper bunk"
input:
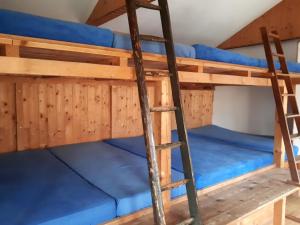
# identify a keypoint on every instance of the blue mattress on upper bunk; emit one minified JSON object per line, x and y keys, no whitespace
{"x":17,"y":23}
{"x":250,"y":141}
{"x":214,"y":161}
{"x":123,"y":41}
{"x":37,"y":189}
{"x":120,"y":174}
{"x":219,"y":55}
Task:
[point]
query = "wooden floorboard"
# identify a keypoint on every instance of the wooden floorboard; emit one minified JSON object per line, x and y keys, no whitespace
{"x":293,"y":210}
{"x":233,"y":202}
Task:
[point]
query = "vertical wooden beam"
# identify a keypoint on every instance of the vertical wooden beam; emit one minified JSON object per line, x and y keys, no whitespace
{"x":279,"y":212}
{"x":279,"y":149}
{"x":10,"y":50}
{"x":162,"y":132}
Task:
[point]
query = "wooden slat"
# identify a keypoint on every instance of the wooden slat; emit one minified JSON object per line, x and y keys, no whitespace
{"x":7,"y":117}
{"x":239,"y":203}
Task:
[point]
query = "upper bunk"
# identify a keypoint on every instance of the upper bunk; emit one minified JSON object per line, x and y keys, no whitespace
{"x":42,"y":47}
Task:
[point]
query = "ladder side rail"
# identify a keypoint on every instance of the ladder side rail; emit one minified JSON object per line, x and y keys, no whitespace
{"x":293,"y":102}
{"x":279,"y":49}
{"x":279,"y":105}
{"x":154,"y":179}
{"x":182,"y":134}
{"x":288,"y":82}
{"x":285,"y":130}
{"x":268,"y":50}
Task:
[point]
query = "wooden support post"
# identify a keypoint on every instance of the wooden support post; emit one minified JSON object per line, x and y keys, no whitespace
{"x":279,"y":212}
{"x":279,"y":149}
{"x":162,"y":132}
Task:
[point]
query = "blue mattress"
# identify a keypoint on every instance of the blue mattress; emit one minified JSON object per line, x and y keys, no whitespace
{"x":215,"y":54}
{"x":250,"y":141}
{"x":123,"y":41}
{"x":22,"y":24}
{"x":213,"y":161}
{"x":118,"y":173}
{"x":37,"y":189}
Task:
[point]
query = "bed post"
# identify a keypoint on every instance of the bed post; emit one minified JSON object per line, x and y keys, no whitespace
{"x":162,"y":133}
{"x":279,"y":149}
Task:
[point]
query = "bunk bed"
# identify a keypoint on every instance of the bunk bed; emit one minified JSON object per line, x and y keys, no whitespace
{"x":36,"y":51}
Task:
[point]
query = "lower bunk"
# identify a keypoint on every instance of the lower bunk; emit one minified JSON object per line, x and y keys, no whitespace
{"x":92,"y":183}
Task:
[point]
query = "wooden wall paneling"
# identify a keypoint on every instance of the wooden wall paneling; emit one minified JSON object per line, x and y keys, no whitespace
{"x":126,"y":116}
{"x":68,"y":113}
{"x":7,"y":117}
{"x":198,"y":108}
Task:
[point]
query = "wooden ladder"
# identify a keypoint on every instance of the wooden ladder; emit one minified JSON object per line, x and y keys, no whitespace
{"x":282,"y":117}
{"x":154,"y":178}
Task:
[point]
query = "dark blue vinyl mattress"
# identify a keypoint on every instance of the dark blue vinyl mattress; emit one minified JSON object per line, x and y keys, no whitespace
{"x":37,"y":189}
{"x":120,"y":174}
{"x":22,"y":24}
{"x":213,"y":161}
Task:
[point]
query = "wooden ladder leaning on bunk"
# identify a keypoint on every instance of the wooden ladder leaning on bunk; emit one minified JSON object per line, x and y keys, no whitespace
{"x":283,"y":118}
{"x":156,"y":188}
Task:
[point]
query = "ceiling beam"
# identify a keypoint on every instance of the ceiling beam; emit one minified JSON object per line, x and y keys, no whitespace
{"x":106,"y":10}
{"x":284,"y":17}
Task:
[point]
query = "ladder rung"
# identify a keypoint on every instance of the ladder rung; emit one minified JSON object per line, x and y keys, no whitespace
{"x":147,"y":5}
{"x":186,"y":222}
{"x":152,"y":38}
{"x":163,"y":109}
{"x":157,"y":73}
{"x":288,"y":95}
{"x":290,"y":116}
{"x":168,"y":145}
{"x":174,"y":185}
{"x":297,"y":159}
{"x":295,"y":136}
{"x":278,"y":55}
{"x":276,"y":36}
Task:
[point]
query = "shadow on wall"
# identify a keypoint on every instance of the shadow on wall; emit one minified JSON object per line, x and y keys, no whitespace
{"x":245,"y":109}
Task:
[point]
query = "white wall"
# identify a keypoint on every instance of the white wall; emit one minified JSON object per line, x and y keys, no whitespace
{"x":245,"y":109}
{"x":249,"y":109}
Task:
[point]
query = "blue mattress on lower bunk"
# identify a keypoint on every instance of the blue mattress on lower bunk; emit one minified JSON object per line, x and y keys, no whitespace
{"x":250,"y":141}
{"x":120,"y":174}
{"x":22,"y":24}
{"x":123,"y":41}
{"x":37,"y":189}
{"x":213,"y":161}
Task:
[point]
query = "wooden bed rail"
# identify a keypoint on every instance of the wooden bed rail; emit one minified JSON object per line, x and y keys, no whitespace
{"x":39,"y":57}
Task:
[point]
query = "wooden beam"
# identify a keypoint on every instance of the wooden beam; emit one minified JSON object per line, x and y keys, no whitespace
{"x":279,"y":212}
{"x":284,"y":18}
{"x":106,"y":10}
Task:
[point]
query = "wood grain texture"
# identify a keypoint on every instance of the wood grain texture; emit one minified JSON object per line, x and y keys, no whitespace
{"x":284,"y":18}
{"x":248,"y":202}
{"x":7,"y":117}
{"x":57,"y":111}
{"x":198,"y":108}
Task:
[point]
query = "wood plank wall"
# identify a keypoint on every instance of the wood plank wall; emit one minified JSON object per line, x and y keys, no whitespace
{"x":39,"y":113}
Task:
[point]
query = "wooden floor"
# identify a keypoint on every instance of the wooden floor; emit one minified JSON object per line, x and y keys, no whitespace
{"x":293,"y":209}
{"x":232,"y":204}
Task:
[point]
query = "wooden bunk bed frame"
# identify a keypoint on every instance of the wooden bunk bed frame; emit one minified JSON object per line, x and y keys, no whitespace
{"x":28,"y":61}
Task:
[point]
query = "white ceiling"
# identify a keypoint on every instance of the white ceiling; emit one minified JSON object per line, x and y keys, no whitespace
{"x":193,"y":21}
